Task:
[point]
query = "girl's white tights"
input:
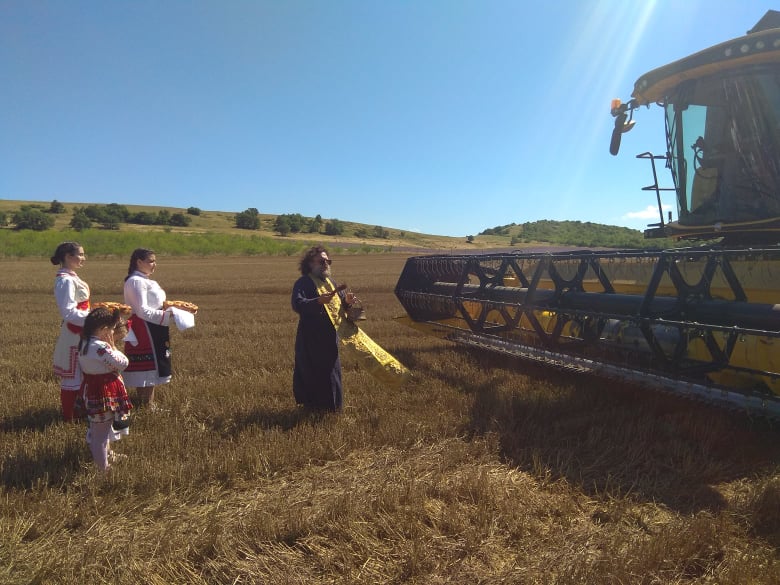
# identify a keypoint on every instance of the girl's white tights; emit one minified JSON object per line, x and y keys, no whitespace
{"x":98,"y":445}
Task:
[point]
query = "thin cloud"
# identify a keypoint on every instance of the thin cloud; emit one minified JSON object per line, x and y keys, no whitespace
{"x":649,"y":212}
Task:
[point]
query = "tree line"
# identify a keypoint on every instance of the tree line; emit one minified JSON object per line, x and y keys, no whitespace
{"x":32,"y":217}
{"x":39,"y":217}
{"x":291,"y":223}
{"x":110,"y":216}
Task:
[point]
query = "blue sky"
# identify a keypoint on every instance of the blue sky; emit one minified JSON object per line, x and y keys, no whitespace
{"x":445,"y":117}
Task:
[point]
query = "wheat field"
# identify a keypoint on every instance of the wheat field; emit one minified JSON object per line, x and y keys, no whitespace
{"x":481,"y":469}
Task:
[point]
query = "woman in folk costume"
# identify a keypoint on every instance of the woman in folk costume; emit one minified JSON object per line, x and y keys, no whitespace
{"x":102,"y":388}
{"x":72,"y":295}
{"x":150,"y":355}
{"x":317,"y":375}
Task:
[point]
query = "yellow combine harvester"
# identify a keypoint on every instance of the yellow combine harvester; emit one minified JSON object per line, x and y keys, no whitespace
{"x":701,"y":321}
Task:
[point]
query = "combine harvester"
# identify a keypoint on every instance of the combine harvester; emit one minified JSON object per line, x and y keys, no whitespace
{"x":701,"y":321}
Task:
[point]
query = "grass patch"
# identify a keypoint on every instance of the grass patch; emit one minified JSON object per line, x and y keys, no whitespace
{"x":102,"y":243}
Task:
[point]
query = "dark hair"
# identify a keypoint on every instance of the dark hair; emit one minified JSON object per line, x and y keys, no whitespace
{"x":97,"y":318}
{"x":65,"y":249}
{"x":308,"y":256}
{"x":138,"y":254}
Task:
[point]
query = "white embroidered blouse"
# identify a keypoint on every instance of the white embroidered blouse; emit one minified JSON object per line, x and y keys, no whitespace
{"x":69,"y":290}
{"x":146,"y":297}
{"x":101,"y":358}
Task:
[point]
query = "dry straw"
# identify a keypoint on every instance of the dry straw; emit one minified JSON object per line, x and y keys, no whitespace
{"x":480,"y":470}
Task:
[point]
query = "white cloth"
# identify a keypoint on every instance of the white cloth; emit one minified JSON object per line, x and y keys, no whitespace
{"x":131,"y":338}
{"x":69,"y":291}
{"x":183,"y":319}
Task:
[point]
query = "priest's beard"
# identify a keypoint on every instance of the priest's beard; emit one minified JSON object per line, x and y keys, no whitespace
{"x":321,"y":272}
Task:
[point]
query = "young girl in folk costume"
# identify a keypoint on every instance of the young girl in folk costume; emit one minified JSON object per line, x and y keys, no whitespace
{"x":72,"y":295}
{"x":150,"y":355}
{"x":102,"y":388}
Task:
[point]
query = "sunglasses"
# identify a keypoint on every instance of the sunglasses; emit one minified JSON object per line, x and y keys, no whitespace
{"x":323,"y":262}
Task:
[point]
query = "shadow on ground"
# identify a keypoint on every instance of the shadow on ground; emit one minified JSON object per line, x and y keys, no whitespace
{"x":53,"y":466}
{"x":232,"y":424}
{"x":612,"y":438}
{"x":30,"y":420}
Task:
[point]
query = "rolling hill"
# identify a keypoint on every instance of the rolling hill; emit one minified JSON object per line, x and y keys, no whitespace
{"x":529,"y":234}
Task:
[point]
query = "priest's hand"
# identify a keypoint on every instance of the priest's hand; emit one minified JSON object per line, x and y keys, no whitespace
{"x":325,"y":298}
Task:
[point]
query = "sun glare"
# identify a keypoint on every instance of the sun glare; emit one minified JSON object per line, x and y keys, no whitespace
{"x":599,"y":66}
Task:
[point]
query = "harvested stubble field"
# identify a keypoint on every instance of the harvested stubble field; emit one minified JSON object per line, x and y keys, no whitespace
{"x":480,"y":470}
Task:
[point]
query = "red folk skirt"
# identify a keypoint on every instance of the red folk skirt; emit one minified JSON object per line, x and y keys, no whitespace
{"x":105,"y":392}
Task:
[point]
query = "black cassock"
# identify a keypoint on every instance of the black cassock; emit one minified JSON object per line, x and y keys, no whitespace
{"x":317,"y":375}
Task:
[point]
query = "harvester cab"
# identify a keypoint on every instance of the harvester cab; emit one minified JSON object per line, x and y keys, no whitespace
{"x":722,"y":118}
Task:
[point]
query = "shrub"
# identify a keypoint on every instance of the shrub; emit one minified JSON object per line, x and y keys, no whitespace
{"x":282,"y":225}
{"x":108,"y":216}
{"x":142,"y":218}
{"x":334,"y":227}
{"x":56,"y":207}
{"x":30,"y":218}
{"x":119,"y":211}
{"x":94,"y":212}
{"x":80,"y":220}
{"x":249,"y":219}
{"x":193,"y":210}
{"x":163,"y":217}
{"x":292,"y":222}
{"x":180,"y":220}
{"x":316,"y":224}
{"x":298,"y":223}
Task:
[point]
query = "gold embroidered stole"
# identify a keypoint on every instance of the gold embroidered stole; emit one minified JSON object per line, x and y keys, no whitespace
{"x":369,"y":354}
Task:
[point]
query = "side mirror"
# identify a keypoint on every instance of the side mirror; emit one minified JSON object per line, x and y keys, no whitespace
{"x":622,"y":125}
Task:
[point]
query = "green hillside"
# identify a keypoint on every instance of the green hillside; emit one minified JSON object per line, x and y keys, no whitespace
{"x":576,"y":233}
{"x":217,"y":230}
{"x":169,"y":230}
